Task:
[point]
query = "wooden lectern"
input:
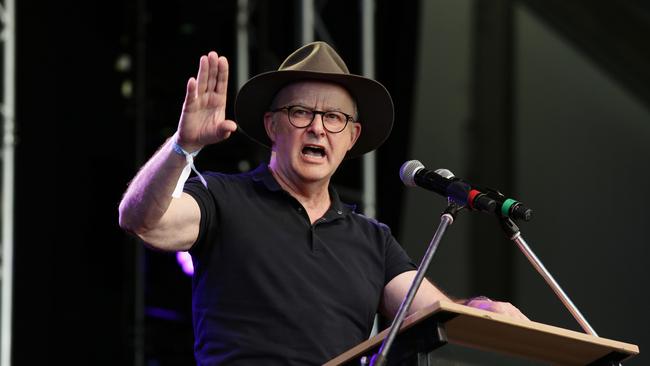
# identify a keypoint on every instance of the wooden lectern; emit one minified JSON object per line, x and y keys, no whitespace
{"x":449,"y":323}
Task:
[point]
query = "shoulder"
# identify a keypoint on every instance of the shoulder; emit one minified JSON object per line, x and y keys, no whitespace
{"x":260,"y":174}
{"x":217,"y":181}
{"x":370,"y":225}
{"x":369,"y":221}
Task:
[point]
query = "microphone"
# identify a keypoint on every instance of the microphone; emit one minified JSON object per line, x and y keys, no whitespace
{"x":443,"y":182}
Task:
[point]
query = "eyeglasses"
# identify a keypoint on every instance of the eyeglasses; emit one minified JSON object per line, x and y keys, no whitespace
{"x":302,"y":117}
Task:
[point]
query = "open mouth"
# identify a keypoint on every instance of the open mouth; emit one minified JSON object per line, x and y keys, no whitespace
{"x":314,"y":150}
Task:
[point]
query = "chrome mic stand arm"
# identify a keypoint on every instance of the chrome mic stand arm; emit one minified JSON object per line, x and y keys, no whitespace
{"x":447,"y":218}
{"x":514,"y":234}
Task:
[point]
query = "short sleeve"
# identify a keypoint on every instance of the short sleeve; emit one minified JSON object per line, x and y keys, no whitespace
{"x":397,"y":261}
{"x":207,"y":205}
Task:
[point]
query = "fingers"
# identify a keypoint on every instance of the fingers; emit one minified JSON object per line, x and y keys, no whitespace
{"x":190,"y":94}
{"x":222,"y":81}
{"x":203,"y":119}
{"x":213,"y":71}
{"x":507,"y":308}
{"x":498,"y":307}
{"x":202,"y":76}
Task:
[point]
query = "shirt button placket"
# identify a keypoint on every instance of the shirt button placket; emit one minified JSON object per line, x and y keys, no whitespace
{"x":315,"y":245}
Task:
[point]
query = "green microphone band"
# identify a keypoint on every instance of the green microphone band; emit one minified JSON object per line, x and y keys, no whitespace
{"x":505,"y":208}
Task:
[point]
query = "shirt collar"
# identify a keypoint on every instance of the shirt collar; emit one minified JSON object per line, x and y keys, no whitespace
{"x":262,"y":174}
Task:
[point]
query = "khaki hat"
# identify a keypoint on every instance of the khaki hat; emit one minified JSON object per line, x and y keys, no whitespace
{"x":316,"y":61}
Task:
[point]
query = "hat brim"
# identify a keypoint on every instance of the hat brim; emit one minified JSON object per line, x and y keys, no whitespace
{"x":374,"y":105}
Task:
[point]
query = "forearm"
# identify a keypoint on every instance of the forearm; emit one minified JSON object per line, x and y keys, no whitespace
{"x":149,"y":194}
{"x":396,"y":290}
{"x":147,"y":208}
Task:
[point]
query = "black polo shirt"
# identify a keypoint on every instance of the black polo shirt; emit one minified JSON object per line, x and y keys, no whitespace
{"x":271,"y":288}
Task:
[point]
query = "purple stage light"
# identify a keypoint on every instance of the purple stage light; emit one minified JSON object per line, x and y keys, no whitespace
{"x":185,"y":260}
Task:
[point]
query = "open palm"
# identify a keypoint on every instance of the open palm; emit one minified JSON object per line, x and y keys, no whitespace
{"x":203,"y":120}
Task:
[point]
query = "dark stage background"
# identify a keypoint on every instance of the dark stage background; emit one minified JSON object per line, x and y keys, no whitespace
{"x":547,"y":100}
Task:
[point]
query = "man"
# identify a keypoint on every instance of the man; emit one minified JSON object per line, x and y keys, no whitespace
{"x":285,"y":273}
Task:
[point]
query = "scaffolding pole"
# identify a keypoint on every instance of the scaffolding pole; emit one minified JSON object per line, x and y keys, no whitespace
{"x":368,"y":69}
{"x":369,"y":159}
{"x":243,"y":18}
{"x":8,"y":18}
{"x":306,"y":21}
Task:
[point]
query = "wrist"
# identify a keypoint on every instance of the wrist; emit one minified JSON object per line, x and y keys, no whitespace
{"x":178,"y":149}
{"x":179,"y":145}
{"x":188,"y":156}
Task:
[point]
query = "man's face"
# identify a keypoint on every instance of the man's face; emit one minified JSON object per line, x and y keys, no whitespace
{"x":310,"y":154}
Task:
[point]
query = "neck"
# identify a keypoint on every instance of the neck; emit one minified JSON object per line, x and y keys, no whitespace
{"x":303,"y":191}
{"x":312,"y":195}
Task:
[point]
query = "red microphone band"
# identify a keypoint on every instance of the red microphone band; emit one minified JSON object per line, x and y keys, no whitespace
{"x":472,"y":195}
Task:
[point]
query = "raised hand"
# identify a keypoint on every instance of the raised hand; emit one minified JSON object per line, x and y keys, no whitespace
{"x":203,"y":120}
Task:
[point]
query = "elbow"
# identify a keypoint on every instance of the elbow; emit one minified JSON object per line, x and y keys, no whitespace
{"x":124,"y":222}
{"x":127,"y":220}
{"x":123,"y":219}
{"x":132,"y":221}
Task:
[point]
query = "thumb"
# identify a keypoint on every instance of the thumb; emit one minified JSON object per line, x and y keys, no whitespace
{"x":225,"y":128}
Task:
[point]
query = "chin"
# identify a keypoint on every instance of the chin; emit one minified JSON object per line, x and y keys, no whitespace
{"x":314,"y":173}
{"x":312,"y":176}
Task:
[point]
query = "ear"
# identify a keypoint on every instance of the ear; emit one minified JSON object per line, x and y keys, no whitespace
{"x":270,"y":125}
{"x":355,"y":132}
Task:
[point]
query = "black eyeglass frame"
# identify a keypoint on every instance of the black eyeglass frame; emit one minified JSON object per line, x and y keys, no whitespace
{"x":288,"y":108}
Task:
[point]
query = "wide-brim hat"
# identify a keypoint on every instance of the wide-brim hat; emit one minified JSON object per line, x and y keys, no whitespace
{"x":317,"y":61}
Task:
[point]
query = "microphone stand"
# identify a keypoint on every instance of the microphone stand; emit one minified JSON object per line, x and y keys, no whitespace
{"x":514,"y":234}
{"x":446,"y":219}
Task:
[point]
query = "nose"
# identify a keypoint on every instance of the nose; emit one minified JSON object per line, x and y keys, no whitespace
{"x":317,"y":126}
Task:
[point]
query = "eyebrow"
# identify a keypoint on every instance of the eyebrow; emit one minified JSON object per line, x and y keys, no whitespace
{"x":330,"y":109}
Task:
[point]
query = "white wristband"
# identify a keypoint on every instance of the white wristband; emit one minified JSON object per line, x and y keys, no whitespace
{"x":189,"y":157}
